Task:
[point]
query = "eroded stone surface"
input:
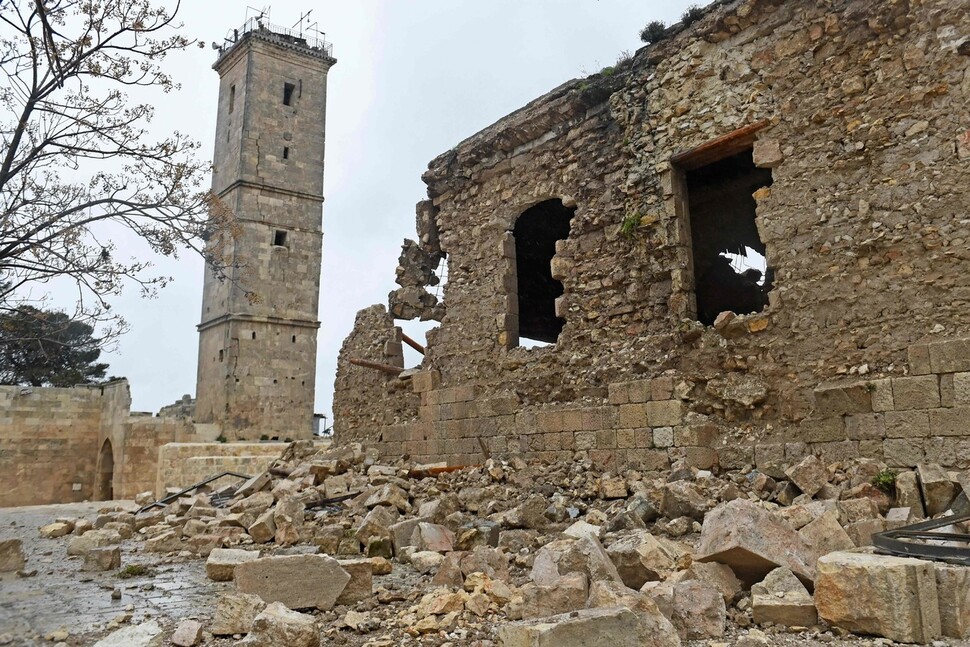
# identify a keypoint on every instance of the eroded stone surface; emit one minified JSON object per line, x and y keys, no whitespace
{"x":298,"y":581}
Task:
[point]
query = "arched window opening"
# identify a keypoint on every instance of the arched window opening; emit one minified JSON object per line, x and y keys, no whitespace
{"x":536,"y":232}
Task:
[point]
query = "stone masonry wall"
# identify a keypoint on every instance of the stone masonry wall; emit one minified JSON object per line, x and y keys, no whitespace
{"x":182,"y":464}
{"x":49,"y":442}
{"x":857,"y":108}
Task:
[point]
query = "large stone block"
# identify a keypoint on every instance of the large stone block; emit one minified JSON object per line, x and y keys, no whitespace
{"x":605,"y":627}
{"x":810,"y":475}
{"x":893,"y":597}
{"x":839,"y":400}
{"x":952,"y":356}
{"x":222,"y":562}
{"x":953,"y":585}
{"x":938,"y":490}
{"x":613,"y":594}
{"x":640,"y":557}
{"x":361,"y":584}
{"x":826,"y":535}
{"x":298,"y":581}
{"x":753,"y":542}
{"x":916,"y":392}
{"x":235,"y":613}
{"x":278,"y":625}
{"x":782,"y":599}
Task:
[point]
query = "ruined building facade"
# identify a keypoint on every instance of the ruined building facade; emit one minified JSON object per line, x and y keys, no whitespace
{"x":258,"y":335}
{"x":604,"y":218}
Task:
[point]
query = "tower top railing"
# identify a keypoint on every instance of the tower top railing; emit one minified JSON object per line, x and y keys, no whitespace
{"x":287,"y":35}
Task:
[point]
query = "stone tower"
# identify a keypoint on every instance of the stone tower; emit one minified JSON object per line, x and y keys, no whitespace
{"x":257,"y":357}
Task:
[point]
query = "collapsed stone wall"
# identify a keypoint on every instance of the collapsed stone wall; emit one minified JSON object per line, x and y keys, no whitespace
{"x":855,"y":107}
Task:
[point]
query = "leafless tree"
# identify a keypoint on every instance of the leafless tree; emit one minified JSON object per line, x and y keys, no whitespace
{"x":77,"y":165}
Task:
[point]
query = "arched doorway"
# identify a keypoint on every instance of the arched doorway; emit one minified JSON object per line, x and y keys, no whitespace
{"x":104,"y":486}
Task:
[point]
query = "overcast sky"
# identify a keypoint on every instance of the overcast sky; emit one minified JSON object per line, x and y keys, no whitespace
{"x":413,"y":78}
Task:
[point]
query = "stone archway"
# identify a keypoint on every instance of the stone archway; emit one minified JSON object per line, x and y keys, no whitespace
{"x":104,"y":486}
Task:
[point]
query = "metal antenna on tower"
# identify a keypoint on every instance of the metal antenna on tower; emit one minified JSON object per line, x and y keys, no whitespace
{"x":303,"y":18}
{"x":263,"y":13}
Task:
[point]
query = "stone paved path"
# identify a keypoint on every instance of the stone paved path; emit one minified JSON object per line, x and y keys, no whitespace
{"x":63,"y":596}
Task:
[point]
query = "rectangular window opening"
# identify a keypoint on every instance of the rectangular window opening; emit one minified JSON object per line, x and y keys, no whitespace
{"x":222,"y":354}
{"x":279,"y":238}
{"x":288,"y":89}
{"x":232,"y":99}
{"x":731,"y":273}
{"x":286,"y":152}
{"x":294,"y":339}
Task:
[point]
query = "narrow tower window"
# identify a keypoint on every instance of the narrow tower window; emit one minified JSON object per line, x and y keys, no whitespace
{"x":232,"y":99}
{"x":286,"y":152}
{"x":279,"y":238}
{"x":288,"y":89}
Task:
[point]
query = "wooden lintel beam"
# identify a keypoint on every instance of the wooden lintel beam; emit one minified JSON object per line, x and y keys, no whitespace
{"x":413,"y":344}
{"x":726,"y":145}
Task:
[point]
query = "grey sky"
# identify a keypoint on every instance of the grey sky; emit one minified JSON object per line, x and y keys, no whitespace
{"x":413,"y":79}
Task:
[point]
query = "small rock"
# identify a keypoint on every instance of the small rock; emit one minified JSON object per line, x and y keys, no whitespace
{"x":187,"y":634}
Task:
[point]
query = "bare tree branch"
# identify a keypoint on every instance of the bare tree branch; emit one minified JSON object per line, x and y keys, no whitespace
{"x":77,"y":155}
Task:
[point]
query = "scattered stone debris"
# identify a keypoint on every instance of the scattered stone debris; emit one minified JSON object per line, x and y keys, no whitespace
{"x":335,"y":546}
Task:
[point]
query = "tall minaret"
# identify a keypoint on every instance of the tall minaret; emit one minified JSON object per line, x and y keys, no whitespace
{"x":257,"y":357}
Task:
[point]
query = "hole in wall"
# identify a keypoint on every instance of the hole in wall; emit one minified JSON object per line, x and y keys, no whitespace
{"x":254,"y":334}
{"x":288,"y":89}
{"x":536,"y":232}
{"x":730,"y":268}
{"x":286,"y":152}
{"x":279,"y":238}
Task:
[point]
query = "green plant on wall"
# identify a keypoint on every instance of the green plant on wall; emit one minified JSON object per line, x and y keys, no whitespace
{"x":691,"y":15}
{"x":654,"y":31}
{"x":628,"y":229}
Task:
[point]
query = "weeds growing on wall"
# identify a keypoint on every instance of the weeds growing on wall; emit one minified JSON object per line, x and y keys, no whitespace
{"x":691,"y":15}
{"x":654,"y":32}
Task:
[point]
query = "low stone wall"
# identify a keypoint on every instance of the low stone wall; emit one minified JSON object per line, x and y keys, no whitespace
{"x":921,"y":417}
{"x":49,"y":442}
{"x":646,"y":424}
{"x":182,"y":464}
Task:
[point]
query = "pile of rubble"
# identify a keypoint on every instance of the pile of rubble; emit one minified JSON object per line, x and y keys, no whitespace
{"x":336,"y":547}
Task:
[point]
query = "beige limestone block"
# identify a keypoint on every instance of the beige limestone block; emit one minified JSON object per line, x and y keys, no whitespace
{"x":606,"y":627}
{"x":222,"y":562}
{"x":298,"y":581}
{"x":235,"y":613}
{"x":783,"y":600}
{"x":893,"y":597}
{"x":277,"y":625}
{"x":753,"y":542}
